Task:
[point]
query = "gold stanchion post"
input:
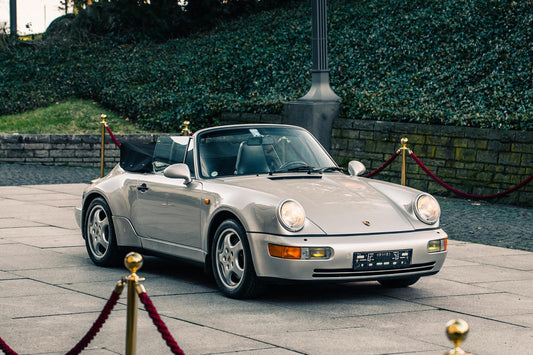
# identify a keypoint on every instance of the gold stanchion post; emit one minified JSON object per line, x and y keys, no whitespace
{"x":133,"y":262}
{"x":186,"y":131}
{"x":457,"y":330}
{"x":404,"y":149}
{"x":102,"y":150}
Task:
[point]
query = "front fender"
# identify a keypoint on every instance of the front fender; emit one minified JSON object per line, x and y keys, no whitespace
{"x":257,"y":211}
{"x":403,"y":197}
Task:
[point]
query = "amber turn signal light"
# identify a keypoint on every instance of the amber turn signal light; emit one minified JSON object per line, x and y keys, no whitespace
{"x":305,"y":253}
{"x":284,"y":252}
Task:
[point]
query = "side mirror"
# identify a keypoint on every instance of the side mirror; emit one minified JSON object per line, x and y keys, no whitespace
{"x":356,"y":168}
{"x":178,"y":171}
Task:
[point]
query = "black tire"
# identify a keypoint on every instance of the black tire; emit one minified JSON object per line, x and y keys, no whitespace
{"x":232,"y":262}
{"x":399,"y":283}
{"x":99,"y":233}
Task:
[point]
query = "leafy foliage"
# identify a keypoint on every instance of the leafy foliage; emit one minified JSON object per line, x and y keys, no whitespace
{"x":467,"y":63}
{"x":453,"y":62}
{"x":128,"y":21}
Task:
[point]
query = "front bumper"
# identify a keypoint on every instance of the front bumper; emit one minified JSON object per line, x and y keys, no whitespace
{"x":340,"y":266}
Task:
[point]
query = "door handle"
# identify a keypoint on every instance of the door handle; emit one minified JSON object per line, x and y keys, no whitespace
{"x":142,"y":187}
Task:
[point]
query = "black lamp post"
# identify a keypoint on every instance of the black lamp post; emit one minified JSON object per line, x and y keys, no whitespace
{"x":316,"y":110}
{"x":13,"y":18}
{"x":320,"y":89}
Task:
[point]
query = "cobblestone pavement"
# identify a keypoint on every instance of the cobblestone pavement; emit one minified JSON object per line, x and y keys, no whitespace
{"x":485,"y":223}
{"x":29,"y":174}
{"x":471,"y":221}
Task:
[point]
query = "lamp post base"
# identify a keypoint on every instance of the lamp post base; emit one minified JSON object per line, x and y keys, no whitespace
{"x":315,"y":116}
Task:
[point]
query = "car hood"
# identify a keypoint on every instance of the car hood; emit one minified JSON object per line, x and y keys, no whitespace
{"x":337,"y":204}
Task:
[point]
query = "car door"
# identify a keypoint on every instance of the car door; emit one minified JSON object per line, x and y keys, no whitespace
{"x":166,"y":211}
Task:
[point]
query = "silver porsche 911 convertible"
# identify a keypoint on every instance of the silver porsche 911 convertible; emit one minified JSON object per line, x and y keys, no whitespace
{"x":260,"y":203}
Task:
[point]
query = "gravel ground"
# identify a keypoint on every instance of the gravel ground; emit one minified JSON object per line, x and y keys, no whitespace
{"x":471,"y":221}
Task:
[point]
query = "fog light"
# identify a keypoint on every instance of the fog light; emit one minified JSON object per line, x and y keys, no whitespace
{"x":437,"y":245}
{"x":319,"y":253}
{"x":304,"y":253}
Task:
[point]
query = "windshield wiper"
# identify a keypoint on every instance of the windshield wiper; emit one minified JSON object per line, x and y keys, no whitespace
{"x":308,"y":169}
{"x":329,"y":168}
{"x":303,"y":168}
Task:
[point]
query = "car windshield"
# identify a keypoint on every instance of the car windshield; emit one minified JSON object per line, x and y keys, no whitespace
{"x":259,"y":150}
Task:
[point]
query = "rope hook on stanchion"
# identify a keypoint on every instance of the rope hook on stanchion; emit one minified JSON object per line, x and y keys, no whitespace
{"x":403,"y":149}
{"x":105,"y":127}
{"x":134,"y":262}
{"x":112,"y":135}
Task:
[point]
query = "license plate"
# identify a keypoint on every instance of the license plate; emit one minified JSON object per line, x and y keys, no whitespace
{"x":379,"y":260}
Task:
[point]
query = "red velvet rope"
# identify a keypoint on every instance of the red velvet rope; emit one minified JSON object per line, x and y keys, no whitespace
{"x":479,"y":197}
{"x":6,"y":349}
{"x":394,"y":156}
{"x":82,"y":344}
{"x":112,"y":136}
{"x":161,"y":327}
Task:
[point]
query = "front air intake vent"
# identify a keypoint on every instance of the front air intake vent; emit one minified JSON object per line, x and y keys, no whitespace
{"x":333,"y":273}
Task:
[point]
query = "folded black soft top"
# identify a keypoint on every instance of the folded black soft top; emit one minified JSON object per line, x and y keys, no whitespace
{"x":136,"y":157}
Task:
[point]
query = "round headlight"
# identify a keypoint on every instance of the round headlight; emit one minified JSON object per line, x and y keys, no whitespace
{"x":291,"y":215}
{"x":427,"y":209}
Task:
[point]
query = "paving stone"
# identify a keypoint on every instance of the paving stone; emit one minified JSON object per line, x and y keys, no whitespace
{"x":11,"y":222}
{"x":51,"y":293}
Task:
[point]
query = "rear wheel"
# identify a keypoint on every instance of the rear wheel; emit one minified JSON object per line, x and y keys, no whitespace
{"x":398,"y":283}
{"x":232,"y":263}
{"x":99,"y":234}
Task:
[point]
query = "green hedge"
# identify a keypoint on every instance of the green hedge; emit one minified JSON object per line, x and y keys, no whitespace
{"x":451,"y":62}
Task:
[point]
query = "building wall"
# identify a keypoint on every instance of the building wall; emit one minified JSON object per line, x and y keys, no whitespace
{"x":476,"y":161}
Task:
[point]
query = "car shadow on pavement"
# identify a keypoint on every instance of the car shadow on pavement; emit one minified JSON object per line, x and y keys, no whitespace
{"x":286,"y":292}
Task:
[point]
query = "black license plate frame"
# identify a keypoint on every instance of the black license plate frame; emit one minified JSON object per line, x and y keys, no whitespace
{"x":382,"y":259}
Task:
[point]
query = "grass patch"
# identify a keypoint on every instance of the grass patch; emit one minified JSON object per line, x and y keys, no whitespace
{"x":68,"y":117}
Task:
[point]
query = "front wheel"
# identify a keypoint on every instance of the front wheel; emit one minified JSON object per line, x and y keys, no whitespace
{"x":100,"y":235}
{"x":232,"y":263}
{"x":399,"y":283}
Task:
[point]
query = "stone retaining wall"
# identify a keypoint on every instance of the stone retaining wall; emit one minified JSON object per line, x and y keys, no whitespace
{"x":64,"y":149}
{"x":475,"y":161}
{"x":478,"y":161}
